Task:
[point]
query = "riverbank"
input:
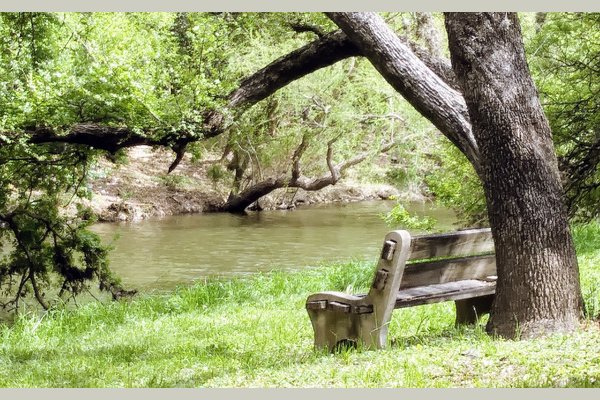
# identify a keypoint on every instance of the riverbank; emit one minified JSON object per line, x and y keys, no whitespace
{"x":254,"y":332}
{"x":140,"y":188}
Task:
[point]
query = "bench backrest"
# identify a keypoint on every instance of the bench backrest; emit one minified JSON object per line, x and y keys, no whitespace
{"x":453,"y":244}
{"x":466,"y":254}
{"x":456,"y":256}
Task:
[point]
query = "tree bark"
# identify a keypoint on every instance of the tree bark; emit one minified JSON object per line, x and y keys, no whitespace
{"x":428,"y":32}
{"x":538,"y":281}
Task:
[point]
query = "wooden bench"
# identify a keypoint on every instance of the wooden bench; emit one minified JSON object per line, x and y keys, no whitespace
{"x":458,"y":266}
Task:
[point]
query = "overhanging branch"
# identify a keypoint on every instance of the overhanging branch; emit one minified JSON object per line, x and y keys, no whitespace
{"x":322,"y":52}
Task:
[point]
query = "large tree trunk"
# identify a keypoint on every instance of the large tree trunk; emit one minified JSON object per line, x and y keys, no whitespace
{"x":538,"y":281}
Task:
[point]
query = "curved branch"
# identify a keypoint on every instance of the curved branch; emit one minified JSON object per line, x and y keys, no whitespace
{"x":238,"y":203}
{"x":102,"y":137}
{"x":317,"y":54}
{"x":427,"y":91}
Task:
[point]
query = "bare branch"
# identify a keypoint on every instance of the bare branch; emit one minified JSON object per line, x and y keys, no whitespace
{"x":297,"y":155}
{"x":335,"y":175}
{"x":240,"y":202}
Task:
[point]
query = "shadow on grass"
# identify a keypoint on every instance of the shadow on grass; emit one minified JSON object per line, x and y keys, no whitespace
{"x":441,"y":337}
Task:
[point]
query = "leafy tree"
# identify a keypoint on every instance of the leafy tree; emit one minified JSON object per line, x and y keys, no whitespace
{"x":44,"y":246}
{"x":95,"y":74}
{"x":565,"y":59}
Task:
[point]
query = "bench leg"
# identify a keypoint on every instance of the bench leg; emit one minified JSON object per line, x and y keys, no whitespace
{"x":468,"y":311}
{"x":335,"y":330}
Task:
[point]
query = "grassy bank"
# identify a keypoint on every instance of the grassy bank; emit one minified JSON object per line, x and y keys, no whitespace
{"x":255,"y":332}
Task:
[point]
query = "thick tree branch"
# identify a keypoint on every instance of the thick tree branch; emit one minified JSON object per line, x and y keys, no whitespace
{"x":410,"y":76}
{"x":318,"y":54}
{"x":102,"y":137}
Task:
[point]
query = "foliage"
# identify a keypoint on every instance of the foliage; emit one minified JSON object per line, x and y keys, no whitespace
{"x":42,"y":244}
{"x":58,"y":70}
{"x":564,"y":57}
{"x":587,"y":244}
{"x":175,"y":182}
{"x":455,"y":184}
{"x":398,"y":216}
{"x":104,"y":67}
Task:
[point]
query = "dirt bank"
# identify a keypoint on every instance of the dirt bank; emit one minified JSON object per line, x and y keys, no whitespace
{"x":140,"y":188}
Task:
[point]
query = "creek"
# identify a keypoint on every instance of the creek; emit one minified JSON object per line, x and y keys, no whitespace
{"x":161,"y":254}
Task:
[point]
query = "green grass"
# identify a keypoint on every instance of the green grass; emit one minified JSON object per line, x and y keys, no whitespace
{"x":254,"y":332}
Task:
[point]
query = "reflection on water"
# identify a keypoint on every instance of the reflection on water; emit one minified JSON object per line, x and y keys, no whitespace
{"x":169,"y":252}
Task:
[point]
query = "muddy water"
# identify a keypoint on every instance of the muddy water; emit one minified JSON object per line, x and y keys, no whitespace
{"x":162,"y":254}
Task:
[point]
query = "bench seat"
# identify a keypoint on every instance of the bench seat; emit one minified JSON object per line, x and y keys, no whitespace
{"x":436,"y":293}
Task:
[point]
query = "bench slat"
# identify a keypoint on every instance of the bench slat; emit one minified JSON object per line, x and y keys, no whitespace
{"x":461,"y":243}
{"x":443,"y":292}
{"x":443,"y":271}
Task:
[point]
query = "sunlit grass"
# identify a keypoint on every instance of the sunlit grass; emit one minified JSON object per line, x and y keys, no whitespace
{"x":254,"y":332}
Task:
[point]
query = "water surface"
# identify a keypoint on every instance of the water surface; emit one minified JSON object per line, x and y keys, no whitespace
{"x":162,"y":254}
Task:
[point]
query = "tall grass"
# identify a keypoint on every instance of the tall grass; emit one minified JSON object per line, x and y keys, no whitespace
{"x":254,"y":331}
{"x":587,"y":245}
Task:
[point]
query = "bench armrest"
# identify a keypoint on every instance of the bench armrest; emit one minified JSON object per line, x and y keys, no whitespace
{"x":339,"y":301}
